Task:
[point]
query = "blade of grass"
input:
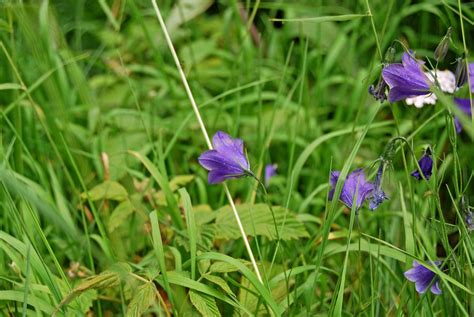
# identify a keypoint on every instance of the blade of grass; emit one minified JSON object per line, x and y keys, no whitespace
{"x":192,"y":234}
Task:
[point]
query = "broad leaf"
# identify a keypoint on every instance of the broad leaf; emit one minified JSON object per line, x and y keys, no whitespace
{"x":107,"y":190}
{"x":120,"y":214}
{"x":142,"y":300}
{"x":258,"y":220}
{"x":205,"y":304}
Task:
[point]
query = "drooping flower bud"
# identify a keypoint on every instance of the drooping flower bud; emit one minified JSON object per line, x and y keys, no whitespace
{"x":390,"y":55}
{"x":461,"y":72}
{"x":426,"y":166}
{"x":443,"y":46}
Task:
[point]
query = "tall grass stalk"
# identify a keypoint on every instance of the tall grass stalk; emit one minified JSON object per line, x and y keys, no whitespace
{"x":204,"y":132}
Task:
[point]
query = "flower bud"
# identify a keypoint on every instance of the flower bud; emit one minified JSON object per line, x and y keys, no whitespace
{"x":461,"y":72}
{"x":390,"y":55}
{"x":443,"y":46}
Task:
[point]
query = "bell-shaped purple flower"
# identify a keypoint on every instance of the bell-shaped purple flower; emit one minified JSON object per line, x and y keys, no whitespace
{"x":270,"y":171}
{"x":354,"y":183}
{"x":423,"y":277}
{"x":226,"y":160}
{"x":465,"y":106}
{"x":426,"y":166}
{"x":406,"y":79}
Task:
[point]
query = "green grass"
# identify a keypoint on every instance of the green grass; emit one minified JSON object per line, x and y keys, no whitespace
{"x":105,"y":209}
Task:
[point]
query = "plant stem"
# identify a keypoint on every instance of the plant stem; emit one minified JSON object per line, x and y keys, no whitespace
{"x":204,"y":132}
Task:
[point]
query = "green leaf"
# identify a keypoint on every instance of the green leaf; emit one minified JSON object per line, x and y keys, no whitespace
{"x":191,"y":226}
{"x":224,"y":267}
{"x":261,"y":289}
{"x":144,"y":297}
{"x":120,"y":214}
{"x":17,"y":296}
{"x":220,"y":282}
{"x":258,"y":220}
{"x":333,"y":18}
{"x":165,"y":186}
{"x":205,"y":304}
{"x":10,"y":86}
{"x":106,"y":190}
{"x":180,"y":278}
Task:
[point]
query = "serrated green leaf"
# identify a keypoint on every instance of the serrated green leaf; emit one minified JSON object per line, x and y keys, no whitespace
{"x":106,"y":190}
{"x":258,"y":220}
{"x":205,"y":304}
{"x":144,"y":297}
{"x":220,"y":282}
{"x":120,"y":214}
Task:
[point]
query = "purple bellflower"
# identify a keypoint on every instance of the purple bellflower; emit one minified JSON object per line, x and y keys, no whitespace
{"x":227,"y":159}
{"x":426,"y":166}
{"x":355,"y":182}
{"x":423,"y":277}
{"x":270,"y":171}
{"x":406,"y":79}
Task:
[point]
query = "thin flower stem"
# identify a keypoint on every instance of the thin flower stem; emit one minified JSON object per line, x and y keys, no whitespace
{"x":204,"y":132}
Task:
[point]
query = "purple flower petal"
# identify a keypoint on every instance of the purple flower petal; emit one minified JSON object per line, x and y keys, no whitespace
{"x":218,"y":176}
{"x":405,"y":80}
{"x":354,"y":183}
{"x":270,"y":171}
{"x":212,"y":160}
{"x":233,"y":148}
{"x":226,"y":160}
{"x":423,"y":277}
{"x":426,"y":166}
{"x":435,"y":288}
{"x":465,"y":106}
{"x":400,"y":93}
{"x":333,"y":181}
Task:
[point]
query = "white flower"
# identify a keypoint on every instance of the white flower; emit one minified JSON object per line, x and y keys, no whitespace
{"x":447,"y":83}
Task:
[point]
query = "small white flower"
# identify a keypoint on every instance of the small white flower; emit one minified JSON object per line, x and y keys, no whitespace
{"x":447,"y":83}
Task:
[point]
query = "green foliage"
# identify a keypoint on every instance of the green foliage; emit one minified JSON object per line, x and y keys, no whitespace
{"x":107,"y":190}
{"x":144,"y":297}
{"x":257,"y":219}
{"x":106,"y":210}
{"x":204,"y":304}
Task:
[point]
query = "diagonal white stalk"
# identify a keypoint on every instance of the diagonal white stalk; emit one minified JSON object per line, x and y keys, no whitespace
{"x":204,"y":132}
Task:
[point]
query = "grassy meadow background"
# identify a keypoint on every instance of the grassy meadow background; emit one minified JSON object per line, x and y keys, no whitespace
{"x":105,"y":210}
